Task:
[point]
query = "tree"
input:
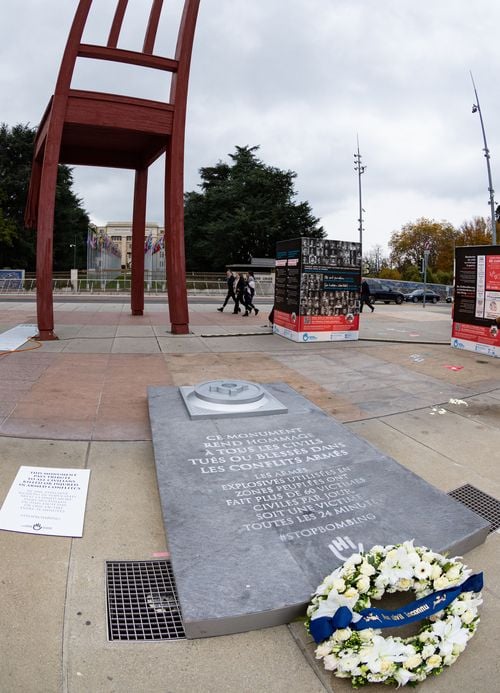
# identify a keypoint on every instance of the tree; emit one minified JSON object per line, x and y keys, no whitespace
{"x":408,"y":245}
{"x":17,"y":244}
{"x":243,"y":209}
{"x":375,"y":260}
{"x":474,"y":232}
{"x":389,"y":273}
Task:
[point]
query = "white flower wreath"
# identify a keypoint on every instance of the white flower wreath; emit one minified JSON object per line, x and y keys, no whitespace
{"x":360,"y":652}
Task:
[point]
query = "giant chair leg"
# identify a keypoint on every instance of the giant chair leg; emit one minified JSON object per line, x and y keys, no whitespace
{"x":138,"y":233}
{"x":174,"y":236}
{"x":44,"y":251}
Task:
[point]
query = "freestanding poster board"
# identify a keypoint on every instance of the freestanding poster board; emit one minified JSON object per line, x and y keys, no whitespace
{"x":477,"y":299}
{"x":11,"y":279}
{"x":317,"y":289}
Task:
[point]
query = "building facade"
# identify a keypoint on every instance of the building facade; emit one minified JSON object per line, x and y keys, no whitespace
{"x":120,"y":234}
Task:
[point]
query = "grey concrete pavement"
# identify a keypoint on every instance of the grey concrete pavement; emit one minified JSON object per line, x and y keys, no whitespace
{"x":81,"y":402}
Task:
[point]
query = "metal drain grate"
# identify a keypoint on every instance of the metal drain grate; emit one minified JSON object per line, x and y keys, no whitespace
{"x":480,"y":502}
{"x":142,"y":601}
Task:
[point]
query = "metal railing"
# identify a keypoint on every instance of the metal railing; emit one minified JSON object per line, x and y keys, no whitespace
{"x":119,"y":285}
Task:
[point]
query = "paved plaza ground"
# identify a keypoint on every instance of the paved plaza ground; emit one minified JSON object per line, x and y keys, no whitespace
{"x":81,"y":402}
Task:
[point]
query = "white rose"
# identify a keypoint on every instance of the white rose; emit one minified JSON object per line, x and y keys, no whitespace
{"x":421,"y":588}
{"x":338,"y":585}
{"x":404,"y":584}
{"x":413,"y":662}
{"x":441,"y":583}
{"x":458,"y":647}
{"x":428,"y":651}
{"x":453,"y":573}
{"x":381,"y":582}
{"x":323,"y":650}
{"x":342,"y":634}
{"x":385,"y":666}
{"x":367,"y":569}
{"x":363,"y":584}
{"x":436,"y":571}
{"x":365,"y":635}
{"x":355,"y":559}
{"x":434,"y":661}
{"x":426,"y":635}
{"x":457,"y":607}
{"x":468,"y":617}
{"x":351,"y":593}
{"x":449,"y":660}
{"x":378,"y":594}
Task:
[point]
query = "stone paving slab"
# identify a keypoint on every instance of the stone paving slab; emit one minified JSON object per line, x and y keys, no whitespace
{"x":34,"y":573}
{"x":441,"y":470}
{"x":41,"y":390}
{"x":469,"y":443}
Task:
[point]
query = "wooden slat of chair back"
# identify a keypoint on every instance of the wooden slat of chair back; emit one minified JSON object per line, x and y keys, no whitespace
{"x":154,"y":18}
{"x":111,"y":51}
{"x":116,"y":27}
{"x":151,"y":30}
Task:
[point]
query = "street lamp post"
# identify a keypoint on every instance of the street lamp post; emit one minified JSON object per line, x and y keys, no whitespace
{"x":476,"y":108}
{"x":360,"y":169}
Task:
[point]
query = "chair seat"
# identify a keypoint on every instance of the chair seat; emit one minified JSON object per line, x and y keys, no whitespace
{"x":111,"y":130}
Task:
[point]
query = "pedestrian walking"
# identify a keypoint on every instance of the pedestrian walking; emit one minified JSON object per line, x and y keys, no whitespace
{"x":249,"y":293}
{"x":230,"y":278}
{"x":239,"y":290}
{"x":365,"y":296}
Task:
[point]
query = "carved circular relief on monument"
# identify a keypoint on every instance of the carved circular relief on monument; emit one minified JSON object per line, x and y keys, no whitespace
{"x":348,"y":629}
{"x":229,"y":392}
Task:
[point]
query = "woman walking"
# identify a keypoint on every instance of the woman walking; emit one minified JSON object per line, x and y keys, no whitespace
{"x":250,"y":293}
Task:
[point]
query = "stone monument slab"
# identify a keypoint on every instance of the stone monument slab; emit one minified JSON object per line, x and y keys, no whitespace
{"x":258,"y":510}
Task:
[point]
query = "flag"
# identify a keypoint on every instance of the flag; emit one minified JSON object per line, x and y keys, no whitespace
{"x":159,"y":244}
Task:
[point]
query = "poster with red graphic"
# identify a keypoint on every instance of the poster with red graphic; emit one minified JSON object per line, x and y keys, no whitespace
{"x":476,"y":310}
{"x":317,"y":289}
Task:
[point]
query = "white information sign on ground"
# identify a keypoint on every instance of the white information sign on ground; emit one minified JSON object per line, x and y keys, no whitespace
{"x":11,"y":339}
{"x":46,"y":500}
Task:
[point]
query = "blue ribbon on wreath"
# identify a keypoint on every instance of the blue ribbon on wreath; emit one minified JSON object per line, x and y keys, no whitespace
{"x":322,"y":628}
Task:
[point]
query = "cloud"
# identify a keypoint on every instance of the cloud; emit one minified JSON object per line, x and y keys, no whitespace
{"x":302,"y":79}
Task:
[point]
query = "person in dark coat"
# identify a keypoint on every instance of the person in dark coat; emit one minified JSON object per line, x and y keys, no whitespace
{"x":239,"y":290}
{"x":365,"y":296}
{"x":230,"y":290}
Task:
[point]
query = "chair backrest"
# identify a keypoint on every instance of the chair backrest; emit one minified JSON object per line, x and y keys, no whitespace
{"x":179,"y":65}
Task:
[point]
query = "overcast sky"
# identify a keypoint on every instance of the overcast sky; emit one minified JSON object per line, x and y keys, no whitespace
{"x":302,"y":79}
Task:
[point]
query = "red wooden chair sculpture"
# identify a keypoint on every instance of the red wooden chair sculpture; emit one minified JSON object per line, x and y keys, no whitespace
{"x":99,"y":129}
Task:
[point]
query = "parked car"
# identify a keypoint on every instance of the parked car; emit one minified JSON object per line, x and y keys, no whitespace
{"x":383,"y":292}
{"x":417,"y":296}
